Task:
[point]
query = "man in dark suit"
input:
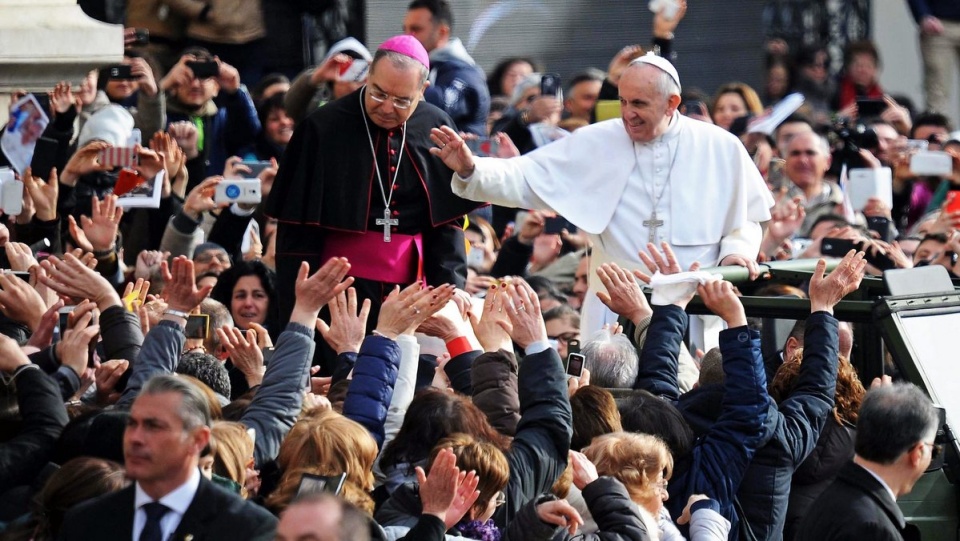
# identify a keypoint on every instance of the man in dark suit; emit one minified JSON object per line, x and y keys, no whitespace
{"x":894,"y":446}
{"x":168,"y":428}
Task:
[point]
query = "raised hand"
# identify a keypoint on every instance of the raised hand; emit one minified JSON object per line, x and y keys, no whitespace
{"x":43,"y":193}
{"x":584,"y":471}
{"x":186,"y":135}
{"x":453,"y":150}
{"x":73,"y":350}
{"x":447,"y":324}
{"x":200,"y":198}
{"x":42,"y":336}
{"x":107,"y":375}
{"x":11,"y":356}
{"x":685,"y":516}
{"x":61,"y":99}
{"x":347,"y":326}
{"x":719,"y":296}
{"x":622,"y":295}
{"x":20,"y":302}
{"x":826,"y":292}
{"x":523,"y":308}
{"x":20,"y":256}
{"x":145,"y":80}
{"x":244,"y":352}
{"x":315,"y":291}
{"x":73,"y":278}
{"x":99,"y":233}
{"x":666,"y":263}
{"x":180,"y":285}
{"x":493,"y":327}
{"x":83,"y":162}
{"x":405,"y":310}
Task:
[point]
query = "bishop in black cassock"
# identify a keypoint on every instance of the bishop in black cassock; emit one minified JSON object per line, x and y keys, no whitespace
{"x":328,"y":200}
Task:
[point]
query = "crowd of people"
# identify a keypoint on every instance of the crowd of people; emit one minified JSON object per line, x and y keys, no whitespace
{"x":433,"y":320}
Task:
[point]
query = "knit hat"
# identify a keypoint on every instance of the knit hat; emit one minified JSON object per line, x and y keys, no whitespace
{"x":407,"y":46}
{"x":112,"y":124}
{"x":659,"y":62}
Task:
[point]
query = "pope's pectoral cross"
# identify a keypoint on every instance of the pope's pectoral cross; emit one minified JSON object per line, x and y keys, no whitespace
{"x":387,"y":221}
{"x":653,"y":224}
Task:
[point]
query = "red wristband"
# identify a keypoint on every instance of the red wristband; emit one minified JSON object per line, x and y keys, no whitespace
{"x":458,"y":346}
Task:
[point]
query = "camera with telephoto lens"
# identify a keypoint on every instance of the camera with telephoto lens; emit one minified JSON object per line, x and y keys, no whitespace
{"x":848,"y":140}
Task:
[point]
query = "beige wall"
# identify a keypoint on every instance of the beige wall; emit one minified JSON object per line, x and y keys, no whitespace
{"x":895,"y":33}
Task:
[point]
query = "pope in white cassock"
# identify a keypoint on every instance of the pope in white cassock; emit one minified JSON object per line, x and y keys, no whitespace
{"x":652,"y":175}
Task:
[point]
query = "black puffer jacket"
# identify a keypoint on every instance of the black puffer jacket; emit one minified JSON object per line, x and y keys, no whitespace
{"x":494,"y":378}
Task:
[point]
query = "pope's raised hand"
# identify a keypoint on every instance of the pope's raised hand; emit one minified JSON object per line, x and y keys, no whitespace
{"x":453,"y":150}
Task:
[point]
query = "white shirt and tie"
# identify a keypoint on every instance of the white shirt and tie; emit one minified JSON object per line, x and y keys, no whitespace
{"x":177,"y":502}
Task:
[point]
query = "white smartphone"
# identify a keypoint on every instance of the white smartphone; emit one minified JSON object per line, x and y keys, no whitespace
{"x":238,"y":191}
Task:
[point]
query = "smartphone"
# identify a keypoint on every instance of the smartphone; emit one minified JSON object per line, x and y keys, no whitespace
{"x":575,"y":364}
{"x":953,"y":201}
{"x":837,"y":247}
{"x":483,"y":146}
{"x":556,"y":225}
{"x":198,"y":326}
{"x":122,"y":72}
{"x":23,"y":275}
{"x":63,"y":322}
{"x":118,"y":157}
{"x":44,"y":157}
{"x":238,"y":191}
{"x":141,"y":36}
{"x":550,"y":85}
{"x":268,"y":355}
{"x":257,"y":167}
{"x":867,"y":108}
{"x":204,"y":70}
{"x":881,"y":226}
{"x":316,"y":484}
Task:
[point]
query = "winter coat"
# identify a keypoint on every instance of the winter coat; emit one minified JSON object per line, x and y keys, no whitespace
{"x":494,"y":378}
{"x":374,"y":375}
{"x":459,"y":87}
{"x":797,"y":422}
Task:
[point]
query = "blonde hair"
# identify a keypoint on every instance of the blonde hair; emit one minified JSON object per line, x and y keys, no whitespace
{"x":233,"y":451}
{"x":636,"y":460}
{"x":327,"y":444}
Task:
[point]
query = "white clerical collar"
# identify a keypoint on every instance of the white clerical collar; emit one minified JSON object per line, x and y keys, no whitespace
{"x":671,"y":133}
{"x":178,"y":499}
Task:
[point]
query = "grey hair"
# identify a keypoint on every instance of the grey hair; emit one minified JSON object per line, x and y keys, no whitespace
{"x":400,"y":61}
{"x":893,"y":419}
{"x":612,"y":360}
{"x":194,"y":409}
{"x":525,"y":84}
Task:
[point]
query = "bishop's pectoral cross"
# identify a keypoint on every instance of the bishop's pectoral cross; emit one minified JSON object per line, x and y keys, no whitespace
{"x":387,"y":221}
{"x":653,"y":223}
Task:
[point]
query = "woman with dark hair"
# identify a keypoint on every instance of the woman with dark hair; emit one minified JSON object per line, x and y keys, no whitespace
{"x":249,"y":290}
{"x":507,"y":73}
{"x":77,"y":481}
{"x":433,"y":415}
{"x":277,"y":128}
{"x":594,"y":414}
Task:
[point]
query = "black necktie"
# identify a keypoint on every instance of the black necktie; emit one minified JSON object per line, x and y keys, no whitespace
{"x":151,"y":530}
